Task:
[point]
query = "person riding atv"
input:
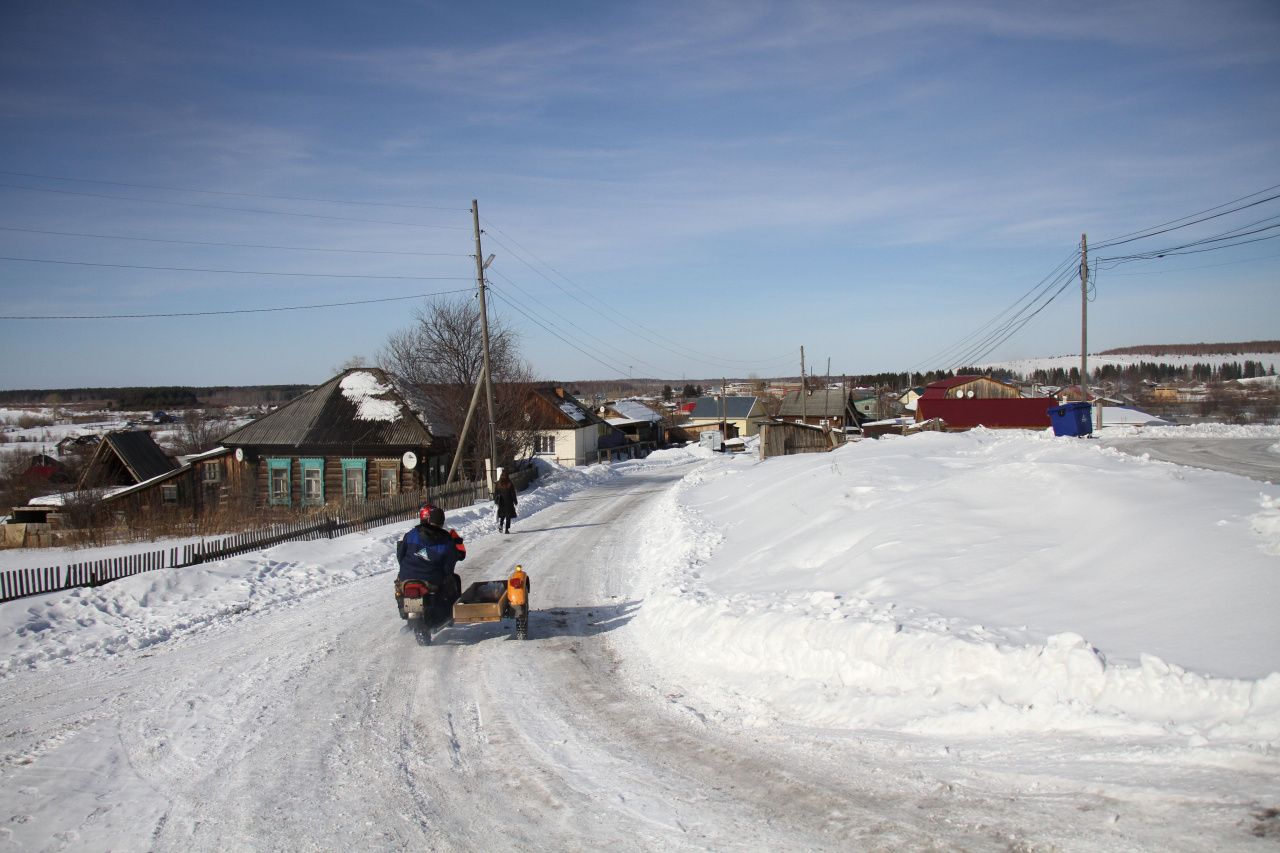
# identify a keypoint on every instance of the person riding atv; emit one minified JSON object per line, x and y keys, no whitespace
{"x":428,"y":552}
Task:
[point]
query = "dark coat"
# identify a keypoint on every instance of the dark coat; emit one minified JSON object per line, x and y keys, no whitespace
{"x":505,"y":497}
{"x":429,"y":553}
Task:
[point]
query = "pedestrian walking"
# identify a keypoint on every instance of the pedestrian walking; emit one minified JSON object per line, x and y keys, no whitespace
{"x":504,"y":495}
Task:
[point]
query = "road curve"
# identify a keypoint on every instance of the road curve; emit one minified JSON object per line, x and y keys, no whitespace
{"x":320,"y":724}
{"x":1255,"y":458}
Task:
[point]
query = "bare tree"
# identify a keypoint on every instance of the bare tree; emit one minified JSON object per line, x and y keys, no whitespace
{"x":441,"y":355}
{"x":199,"y":430}
{"x":351,"y":363}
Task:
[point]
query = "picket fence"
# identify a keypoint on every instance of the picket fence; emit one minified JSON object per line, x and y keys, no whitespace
{"x":350,"y":518}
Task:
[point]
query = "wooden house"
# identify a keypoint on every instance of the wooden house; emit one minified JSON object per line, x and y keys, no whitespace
{"x":125,"y":458}
{"x":202,"y":483}
{"x":641,"y":425}
{"x":831,"y":407}
{"x":361,"y":435}
{"x":565,"y":430}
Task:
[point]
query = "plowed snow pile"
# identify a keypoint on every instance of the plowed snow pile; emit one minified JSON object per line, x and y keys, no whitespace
{"x":971,"y":584}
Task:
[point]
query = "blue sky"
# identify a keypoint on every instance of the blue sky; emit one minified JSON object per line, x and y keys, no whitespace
{"x":670,"y":190}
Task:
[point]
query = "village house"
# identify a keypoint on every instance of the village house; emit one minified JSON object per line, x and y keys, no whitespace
{"x":566,"y":430}
{"x":640,"y":424}
{"x":125,"y":458}
{"x":964,"y":402}
{"x":361,"y":435}
{"x":828,"y":407}
{"x":735,"y":416}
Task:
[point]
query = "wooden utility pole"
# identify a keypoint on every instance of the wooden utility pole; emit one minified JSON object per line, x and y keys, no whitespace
{"x":466,"y":428}
{"x":484,"y":343}
{"x":804,"y":389}
{"x":1084,"y":318}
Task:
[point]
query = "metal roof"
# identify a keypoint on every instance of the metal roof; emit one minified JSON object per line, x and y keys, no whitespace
{"x":634,"y":410}
{"x":734,"y":408}
{"x":372,"y":409}
{"x":566,"y":409}
{"x":820,"y":404}
{"x":140,"y":454}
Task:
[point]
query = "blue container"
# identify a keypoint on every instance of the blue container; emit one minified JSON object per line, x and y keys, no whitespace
{"x":1072,"y":419}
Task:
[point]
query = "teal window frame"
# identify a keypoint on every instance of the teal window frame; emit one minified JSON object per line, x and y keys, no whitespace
{"x":312,"y":464}
{"x":274,"y":465}
{"x":363,"y":465}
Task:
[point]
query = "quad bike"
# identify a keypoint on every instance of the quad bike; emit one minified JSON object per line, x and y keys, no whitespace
{"x":483,"y":601}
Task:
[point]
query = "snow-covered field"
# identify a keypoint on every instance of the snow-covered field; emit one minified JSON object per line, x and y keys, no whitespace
{"x":958,"y":607}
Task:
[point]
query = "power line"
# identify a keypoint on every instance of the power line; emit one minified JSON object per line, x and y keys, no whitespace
{"x":229,"y":311}
{"x":631,"y":359}
{"x":675,"y":348}
{"x":1193,"y":269}
{"x":233,"y":209}
{"x":238,"y":272}
{"x":235,"y":194}
{"x":1031,"y":297}
{"x":234,"y":245}
{"x":1189,"y":220}
{"x":1193,"y":247}
{"x":530,"y":315}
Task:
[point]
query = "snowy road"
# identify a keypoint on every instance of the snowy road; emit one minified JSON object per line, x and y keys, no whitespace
{"x":318,"y":724}
{"x":1248,"y":457}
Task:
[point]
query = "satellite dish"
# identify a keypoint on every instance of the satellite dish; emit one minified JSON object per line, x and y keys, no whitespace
{"x":968,"y":393}
{"x":239,"y":454}
{"x":410,"y":460}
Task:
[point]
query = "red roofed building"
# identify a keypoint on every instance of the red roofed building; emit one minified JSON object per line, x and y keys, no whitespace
{"x":965,"y":402}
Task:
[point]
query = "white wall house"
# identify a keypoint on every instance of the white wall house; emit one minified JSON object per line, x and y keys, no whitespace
{"x":569,"y":432}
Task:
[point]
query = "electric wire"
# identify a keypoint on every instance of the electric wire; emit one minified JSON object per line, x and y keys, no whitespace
{"x":234,"y":194}
{"x":1033,"y":295}
{"x":648,"y":335}
{"x":235,"y":245}
{"x":227,"y":311}
{"x":237,"y":272}
{"x":631,"y":359}
{"x":1188,"y":221}
{"x":981,"y":347}
{"x":514,"y":303}
{"x":234,"y":209}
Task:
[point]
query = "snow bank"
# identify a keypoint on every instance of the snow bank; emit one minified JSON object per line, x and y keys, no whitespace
{"x":1197,"y":431}
{"x":969,"y":584}
{"x":151,"y":607}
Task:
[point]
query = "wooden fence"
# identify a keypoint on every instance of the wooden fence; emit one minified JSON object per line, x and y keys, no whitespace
{"x":349,"y":518}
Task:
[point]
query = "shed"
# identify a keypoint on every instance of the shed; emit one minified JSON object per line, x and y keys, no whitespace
{"x":125,"y":458}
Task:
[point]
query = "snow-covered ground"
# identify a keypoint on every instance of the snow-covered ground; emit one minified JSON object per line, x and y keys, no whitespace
{"x":1048,"y":611}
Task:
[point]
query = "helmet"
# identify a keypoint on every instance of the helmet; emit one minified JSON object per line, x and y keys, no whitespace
{"x":432,"y":515}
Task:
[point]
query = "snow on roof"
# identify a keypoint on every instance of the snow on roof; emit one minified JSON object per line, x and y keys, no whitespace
{"x":632,"y":411}
{"x":362,"y":389}
{"x":573,"y":411}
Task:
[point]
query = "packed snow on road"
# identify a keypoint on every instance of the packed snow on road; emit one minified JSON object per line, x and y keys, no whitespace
{"x":980,"y":641}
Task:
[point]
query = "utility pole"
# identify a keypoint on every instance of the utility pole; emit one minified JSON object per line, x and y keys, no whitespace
{"x":724,"y":407}
{"x":804,"y":388}
{"x":481,"y":263}
{"x":1084,"y":318}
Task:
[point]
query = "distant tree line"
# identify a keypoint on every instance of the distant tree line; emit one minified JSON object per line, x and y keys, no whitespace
{"x":1150,"y":371}
{"x":163,"y":397}
{"x":1198,"y":349}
